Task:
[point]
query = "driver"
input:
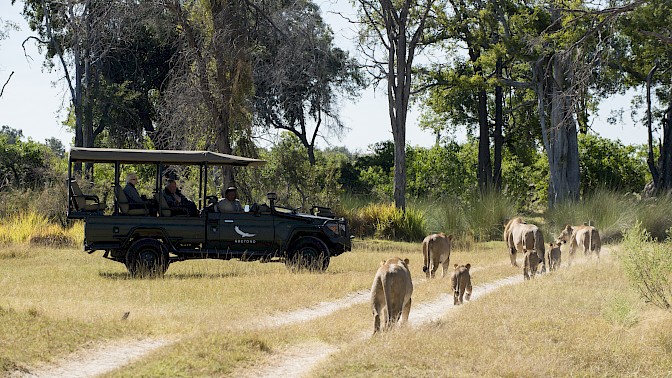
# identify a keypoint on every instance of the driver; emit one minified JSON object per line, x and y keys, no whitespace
{"x":230,"y":202}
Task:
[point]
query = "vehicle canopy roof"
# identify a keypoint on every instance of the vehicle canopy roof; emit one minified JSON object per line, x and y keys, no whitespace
{"x":111,"y":155}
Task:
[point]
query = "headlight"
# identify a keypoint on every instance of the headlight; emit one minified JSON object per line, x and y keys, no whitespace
{"x":333,"y":227}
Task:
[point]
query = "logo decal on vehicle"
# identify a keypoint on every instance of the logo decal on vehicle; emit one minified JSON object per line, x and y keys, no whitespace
{"x":243,"y":233}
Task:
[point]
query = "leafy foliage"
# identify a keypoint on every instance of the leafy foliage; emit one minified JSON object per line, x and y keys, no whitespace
{"x":289,"y":173}
{"x":611,"y":165}
{"x":649,"y":266}
{"x":25,"y":164}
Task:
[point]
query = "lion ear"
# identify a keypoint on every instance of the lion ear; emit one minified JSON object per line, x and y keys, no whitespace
{"x":450,"y":237}
{"x":406,"y":261}
{"x":468,"y":266}
{"x":382,"y":262}
{"x":455,"y":266}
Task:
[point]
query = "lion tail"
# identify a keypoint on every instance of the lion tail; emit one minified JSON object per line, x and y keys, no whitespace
{"x":539,"y":246}
{"x":425,"y":255}
{"x":455,"y":285}
{"x":595,"y":242}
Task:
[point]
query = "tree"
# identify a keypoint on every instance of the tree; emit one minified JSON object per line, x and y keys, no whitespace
{"x":399,"y":28}
{"x":24,"y":164}
{"x":298,"y":72}
{"x":643,"y":58}
{"x":567,"y":46}
{"x":206,"y":105}
{"x":86,"y":37}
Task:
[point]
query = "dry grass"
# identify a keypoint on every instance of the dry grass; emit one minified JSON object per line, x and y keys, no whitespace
{"x":37,"y":229}
{"x":582,"y":321}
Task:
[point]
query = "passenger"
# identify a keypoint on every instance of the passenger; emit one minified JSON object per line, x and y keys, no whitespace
{"x":230,"y":202}
{"x":135,"y":200}
{"x":176,"y":199}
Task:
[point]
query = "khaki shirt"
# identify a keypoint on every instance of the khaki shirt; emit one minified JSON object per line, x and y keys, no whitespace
{"x":226,"y":206}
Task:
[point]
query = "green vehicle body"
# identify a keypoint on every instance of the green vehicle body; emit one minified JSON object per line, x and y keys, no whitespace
{"x":148,"y":244}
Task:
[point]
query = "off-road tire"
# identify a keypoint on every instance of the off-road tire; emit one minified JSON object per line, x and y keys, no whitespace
{"x":147,"y":258}
{"x":308,"y":252}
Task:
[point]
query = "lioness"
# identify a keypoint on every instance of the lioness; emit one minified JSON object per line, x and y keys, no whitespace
{"x":585,"y":237}
{"x":436,"y":250}
{"x":391,"y":291}
{"x":460,"y":282}
{"x":522,"y":237}
{"x":554,"y":257}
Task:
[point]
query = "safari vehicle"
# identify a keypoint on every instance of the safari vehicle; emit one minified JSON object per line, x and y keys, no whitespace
{"x":148,"y":242}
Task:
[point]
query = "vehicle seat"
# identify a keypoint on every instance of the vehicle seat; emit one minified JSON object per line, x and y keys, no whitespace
{"x":84,"y":202}
{"x":167,"y":211}
{"x":124,"y":205}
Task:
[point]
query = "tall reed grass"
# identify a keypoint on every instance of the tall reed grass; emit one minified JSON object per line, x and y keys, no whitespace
{"x":608,"y":211}
{"x":30,"y":227}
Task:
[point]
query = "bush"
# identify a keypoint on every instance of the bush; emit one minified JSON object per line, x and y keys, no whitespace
{"x":387,"y":222}
{"x":648,"y":265}
{"x":34,"y":228}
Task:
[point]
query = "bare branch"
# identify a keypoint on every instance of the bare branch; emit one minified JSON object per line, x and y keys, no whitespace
{"x":3,"y":87}
{"x":663,"y":38}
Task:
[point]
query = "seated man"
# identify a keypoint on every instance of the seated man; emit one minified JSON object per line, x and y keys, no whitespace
{"x":230,"y":203}
{"x":177,"y":200}
{"x":135,"y":200}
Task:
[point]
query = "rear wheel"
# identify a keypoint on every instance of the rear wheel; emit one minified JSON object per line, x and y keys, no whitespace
{"x":147,"y":258}
{"x":308,"y":252}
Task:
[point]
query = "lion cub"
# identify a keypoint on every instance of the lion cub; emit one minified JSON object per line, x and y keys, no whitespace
{"x":391,"y":292}
{"x":554,"y":257}
{"x":460,"y":282}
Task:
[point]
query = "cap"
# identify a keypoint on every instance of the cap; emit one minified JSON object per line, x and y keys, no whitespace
{"x":230,"y":188}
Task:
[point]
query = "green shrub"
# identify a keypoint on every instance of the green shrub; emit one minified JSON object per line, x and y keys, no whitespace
{"x":648,"y":266}
{"x":385,"y":221}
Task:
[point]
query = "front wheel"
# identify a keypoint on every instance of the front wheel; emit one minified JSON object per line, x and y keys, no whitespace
{"x":308,"y":252}
{"x":147,"y":258}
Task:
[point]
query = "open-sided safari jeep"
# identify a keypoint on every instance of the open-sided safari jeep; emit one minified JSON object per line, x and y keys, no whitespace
{"x":148,"y":241}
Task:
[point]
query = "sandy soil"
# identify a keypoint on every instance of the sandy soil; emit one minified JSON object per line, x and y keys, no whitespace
{"x":97,"y":360}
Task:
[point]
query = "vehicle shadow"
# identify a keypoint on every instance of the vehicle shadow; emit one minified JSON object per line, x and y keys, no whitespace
{"x":122,"y":276}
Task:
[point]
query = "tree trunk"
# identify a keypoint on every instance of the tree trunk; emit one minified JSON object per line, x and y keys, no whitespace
{"x":653,"y":168}
{"x":484,"y":174}
{"x":484,"y":164}
{"x":558,"y":128}
{"x":665,"y":160}
{"x":498,"y":138}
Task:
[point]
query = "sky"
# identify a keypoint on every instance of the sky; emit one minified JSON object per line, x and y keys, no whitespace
{"x":33,"y":98}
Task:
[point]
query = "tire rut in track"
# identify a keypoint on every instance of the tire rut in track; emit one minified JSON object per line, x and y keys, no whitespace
{"x":97,"y":360}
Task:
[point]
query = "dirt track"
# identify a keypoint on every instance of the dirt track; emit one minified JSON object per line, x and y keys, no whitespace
{"x":296,"y":361}
{"x":99,"y":359}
